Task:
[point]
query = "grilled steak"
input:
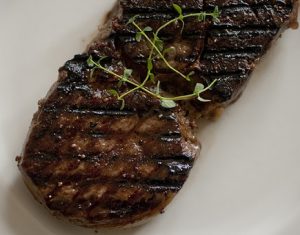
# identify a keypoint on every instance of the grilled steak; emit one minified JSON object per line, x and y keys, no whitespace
{"x":98,"y":165}
{"x":227,"y":50}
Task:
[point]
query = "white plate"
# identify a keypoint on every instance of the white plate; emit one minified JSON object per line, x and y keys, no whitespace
{"x":247,"y":180}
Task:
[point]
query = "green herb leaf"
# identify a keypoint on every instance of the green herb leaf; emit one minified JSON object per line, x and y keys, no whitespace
{"x":159,"y":44}
{"x":114,"y":92}
{"x":122,"y":104}
{"x":188,"y":77}
{"x":127,"y":74}
{"x":168,"y":104}
{"x":216,"y":14}
{"x":90,"y":62}
{"x":132,"y":19}
{"x":157,"y":91}
{"x":103,"y":58}
{"x":91,"y":77}
{"x":148,"y":29}
{"x":120,"y":83}
{"x":149,"y":64}
{"x":152,"y":78}
{"x":198,"y":88}
{"x":157,"y":52}
{"x":138,"y":36}
{"x":202,"y":17}
{"x":202,"y":100}
{"x":168,"y":50}
{"x":178,"y":9}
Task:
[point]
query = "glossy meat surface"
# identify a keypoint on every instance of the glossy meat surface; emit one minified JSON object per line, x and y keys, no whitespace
{"x":227,"y":50}
{"x":97,"y":165}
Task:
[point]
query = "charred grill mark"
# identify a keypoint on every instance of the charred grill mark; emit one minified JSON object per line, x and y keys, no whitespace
{"x":53,"y":157}
{"x":82,"y":111}
{"x":246,"y":39}
{"x":130,"y":38}
{"x":151,"y":185}
{"x":230,"y":66}
{"x":181,"y":158}
{"x":176,"y":167}
{"x":177,"y":174}
{"x":137,"y":6}
{"x":247,"y":32}
{"x":71,"y":87}
{"x":212,"y":3}
{"x":170,"y":137}
{"x":77,"y":67}
{"x":108,"y":205}
{"x":245,"y":16}
{"x":43,"y":157}
{"x":250,"y":54}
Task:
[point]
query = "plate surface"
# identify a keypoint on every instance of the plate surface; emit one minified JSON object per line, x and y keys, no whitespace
{"x":247,"y":180}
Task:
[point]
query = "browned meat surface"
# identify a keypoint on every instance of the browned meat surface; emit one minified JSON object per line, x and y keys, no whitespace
{"x":96,"y":165}
{"x":227,"y":50}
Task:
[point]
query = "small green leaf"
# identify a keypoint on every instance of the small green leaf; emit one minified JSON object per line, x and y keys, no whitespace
{"x":168,"y":50}
{"x":138,"y":36}
{"x":149,"y":64}
{"x":216,"y":11}
{"x":90,"y":62}
{"x":120,"y":83}
{"x":168,"y":104}
{"x":152,"y":78}
{"x":127,"y":74}
{"x":202,"y":17}
{"x":114,"y":92}
{"x":159,"y":44}
{"x":99,"y":60}
{"x":216,"y":14}
{"x":147,"y":29}
{"x":178,"y":9}
{"x":91,"y":77}
{"x":103,"y":58}
{"x":157,"y":91}
{"x":132,"y":19}
{"x":198,"y":88}
{"x":122,"y":104}
{"x":188,"y":77}
{"x":202,"y":100}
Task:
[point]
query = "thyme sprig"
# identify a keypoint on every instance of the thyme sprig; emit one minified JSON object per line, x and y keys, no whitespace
{"x":167,"y":102}
{"x":157,"y":51}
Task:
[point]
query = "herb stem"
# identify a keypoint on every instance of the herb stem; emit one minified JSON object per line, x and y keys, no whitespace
{"x":141,"y":86}
{"x":156,"y":46}
{"x":202,"y":14}
{"x":158,"y":51}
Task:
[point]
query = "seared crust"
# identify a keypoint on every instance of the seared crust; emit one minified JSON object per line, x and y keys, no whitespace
{"x":227,"y":50}
{"x":96,"y":165}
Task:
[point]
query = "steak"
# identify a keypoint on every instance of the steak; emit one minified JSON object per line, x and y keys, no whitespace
{"x":226,"y":50}
{"x":98,"y":165}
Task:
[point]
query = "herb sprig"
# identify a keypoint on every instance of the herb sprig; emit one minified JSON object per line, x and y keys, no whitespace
{"x":157,"y":51}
